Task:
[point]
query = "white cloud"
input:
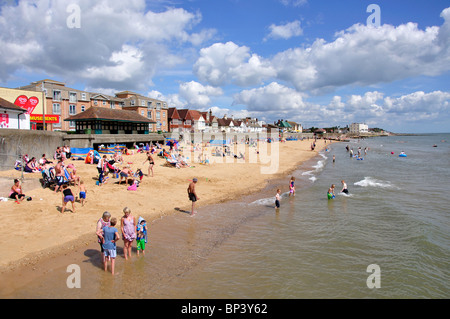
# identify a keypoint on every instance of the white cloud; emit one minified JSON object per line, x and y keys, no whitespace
{"x":173,"y":100}
{"x":364,"y":55}
{"x":271,"y":98}
{"x":224,"y":63}
{"x":120,"y":44}
{"x":276,"y":101}
{"x":198,"y":95}
{"x":286,"y":31}
{"x":360,"y":55}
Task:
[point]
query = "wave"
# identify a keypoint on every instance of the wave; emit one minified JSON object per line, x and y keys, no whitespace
{"x":317,"y":168}
{"x":373,"y":182}
{"x":269,"y":201}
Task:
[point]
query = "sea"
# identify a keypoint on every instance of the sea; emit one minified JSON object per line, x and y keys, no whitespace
{"x":388,"y":238}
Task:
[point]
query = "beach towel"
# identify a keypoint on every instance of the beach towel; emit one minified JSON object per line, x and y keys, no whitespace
{"x":132,"y":187}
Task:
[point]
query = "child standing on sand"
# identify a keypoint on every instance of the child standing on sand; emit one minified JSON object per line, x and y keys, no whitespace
{"x":82,"y":190}
{"x":67,"y":197}
{"x":277,"y":198}
{"x":109,"y":236}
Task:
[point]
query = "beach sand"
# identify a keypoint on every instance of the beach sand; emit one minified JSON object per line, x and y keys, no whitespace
{"x":35,"y":230}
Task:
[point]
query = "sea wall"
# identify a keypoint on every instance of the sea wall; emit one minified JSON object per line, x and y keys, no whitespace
{"x":14,"y":143}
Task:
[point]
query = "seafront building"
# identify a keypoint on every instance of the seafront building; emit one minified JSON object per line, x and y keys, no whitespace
{"x":358,"y":128}
{"x":57,"y":107}
{"x":63,"y":102}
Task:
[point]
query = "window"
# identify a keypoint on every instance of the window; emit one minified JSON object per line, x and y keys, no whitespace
{"x":104,"y":102}
{"x":149,"y":103}
{"x":113,"y":105}
{"x":72,"y":109}
{"x":72,"y":123}
{"x":142,"y":103}
{"x":188,"y":122}
{"x":56,"y":108}
{"x":132,"y":102}
{"x":149,"y":114}
{"x":164,"y":115}
{"x":46,"y":92}
{"x":158,"y":105}
{"x":142,"y":113}
{"x":83,"y":108}
{"x":83,"y":96}
{"x":72,"y":97}
{"x":158,"y":115}
{"x":56,"y":95}
{"x":59,"y":123}
{"x":95,"y":102}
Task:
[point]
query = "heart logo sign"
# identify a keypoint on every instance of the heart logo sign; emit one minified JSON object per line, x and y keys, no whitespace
{"x":27,"y":103}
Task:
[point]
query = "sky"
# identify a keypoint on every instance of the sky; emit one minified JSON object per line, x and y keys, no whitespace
{"x":319,"y":63}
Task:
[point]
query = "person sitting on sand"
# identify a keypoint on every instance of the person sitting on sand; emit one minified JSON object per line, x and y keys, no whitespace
{"x":31,"y":166}
{"x":73,"y":177}
{"x":118,"y":157}
{"x":16,"y":192}
{"x":44,"y":160}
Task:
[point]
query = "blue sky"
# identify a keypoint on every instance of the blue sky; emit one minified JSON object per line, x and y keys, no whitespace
{"x":315,"y":62}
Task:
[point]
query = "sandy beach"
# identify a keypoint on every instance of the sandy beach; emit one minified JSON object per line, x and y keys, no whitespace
{"x":36,"y":229}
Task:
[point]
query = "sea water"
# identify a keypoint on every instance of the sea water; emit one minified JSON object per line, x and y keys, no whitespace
{"x":395,"y":218}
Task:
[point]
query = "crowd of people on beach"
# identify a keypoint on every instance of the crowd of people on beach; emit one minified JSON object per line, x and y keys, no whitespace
{"x":74,"y":190}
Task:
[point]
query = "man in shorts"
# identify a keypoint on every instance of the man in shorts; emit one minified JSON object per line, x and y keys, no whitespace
{"x":192,"y":195}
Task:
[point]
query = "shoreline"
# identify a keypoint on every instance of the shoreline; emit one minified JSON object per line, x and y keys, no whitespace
{"x":32,"y":260}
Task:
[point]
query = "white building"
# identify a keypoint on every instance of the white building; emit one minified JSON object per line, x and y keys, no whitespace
{"x":358,"y":128}
{"x":13,"y":116}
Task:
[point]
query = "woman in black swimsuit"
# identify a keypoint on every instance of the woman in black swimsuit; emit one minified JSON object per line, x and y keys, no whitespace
{"x":151,"y":162}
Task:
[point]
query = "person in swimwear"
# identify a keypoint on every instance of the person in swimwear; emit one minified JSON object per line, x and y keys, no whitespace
{"x":330,"y":193}
{"x":344,"y":187}
{"x":151,"y":163}
{"x":192,"y":195}
{"x":291,"y":186}
{"x":277,"y":199}
{"x":16,"y":192}
{"x":67,"y":197}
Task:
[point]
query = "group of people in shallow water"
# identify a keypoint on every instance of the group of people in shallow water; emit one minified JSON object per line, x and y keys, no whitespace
{"x":331,"y":190}
{"x":108,"y":235}
{"x":331,"y":194}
